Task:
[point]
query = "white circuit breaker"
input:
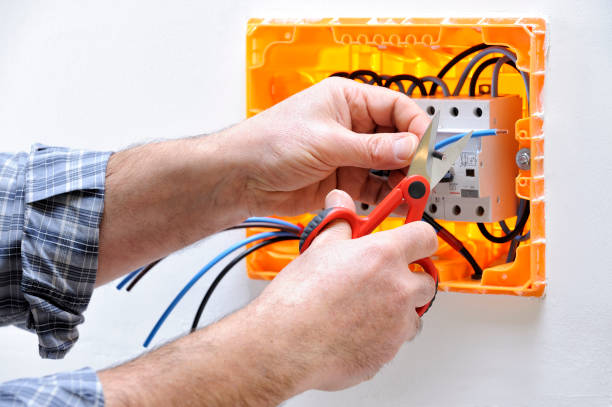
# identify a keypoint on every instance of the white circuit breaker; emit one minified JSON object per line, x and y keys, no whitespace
{"x":480,"y":185}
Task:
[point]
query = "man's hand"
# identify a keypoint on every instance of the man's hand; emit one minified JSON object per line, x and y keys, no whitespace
{"x":162,"y":197}
{"x":329,"y":320}
{"x":327,"y":137}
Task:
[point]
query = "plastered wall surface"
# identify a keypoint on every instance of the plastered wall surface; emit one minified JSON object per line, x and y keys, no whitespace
{"x":105,"y":75}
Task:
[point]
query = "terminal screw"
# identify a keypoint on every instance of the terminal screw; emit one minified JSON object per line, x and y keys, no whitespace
{"x":523,"y":159}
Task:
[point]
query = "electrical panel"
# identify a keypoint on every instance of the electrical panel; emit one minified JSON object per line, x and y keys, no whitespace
{"x":493,"y":174}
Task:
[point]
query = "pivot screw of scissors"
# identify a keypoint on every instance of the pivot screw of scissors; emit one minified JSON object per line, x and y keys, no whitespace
{"x":416,"y":190}
{"x":523,"y":159}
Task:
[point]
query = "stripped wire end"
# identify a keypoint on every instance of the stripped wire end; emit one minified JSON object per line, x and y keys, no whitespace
{"x":501,"y":131}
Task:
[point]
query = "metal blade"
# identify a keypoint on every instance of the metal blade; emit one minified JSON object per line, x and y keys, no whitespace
{"x":422,"y":161}
{"x":451,"y":153}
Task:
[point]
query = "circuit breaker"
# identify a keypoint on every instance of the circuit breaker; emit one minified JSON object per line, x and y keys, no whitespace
{"x":480,"y":185}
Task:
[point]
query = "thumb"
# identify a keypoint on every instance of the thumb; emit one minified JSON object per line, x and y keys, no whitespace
{"x":338,"y":229}
{"x":383,"y":151}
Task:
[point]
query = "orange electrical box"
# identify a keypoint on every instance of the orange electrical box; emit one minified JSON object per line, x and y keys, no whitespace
{"x":286,"y":56}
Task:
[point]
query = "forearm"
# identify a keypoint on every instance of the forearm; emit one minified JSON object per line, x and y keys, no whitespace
{"x":239,"y":361}
{"x":164,"y":196}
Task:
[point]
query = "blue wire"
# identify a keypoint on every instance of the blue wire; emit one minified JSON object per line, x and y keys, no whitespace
{"x":127,"y":278}
{"x":452,"y":139}
{"x":273,"y":220}
{"x":202,"y":271}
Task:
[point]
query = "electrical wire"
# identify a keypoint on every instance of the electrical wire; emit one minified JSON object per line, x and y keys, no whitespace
{"x":203,"y":271}
{"x":522,"y":217}
{"x":477,"y":72}
{"x":279,"y":222}
{"x":455,"y":243}
{"x":457,"y":137}
{"x":227,"y":268}
{"x":436,"y":81}
{"x":362,"y":72}
{"x":142,"y":273}
{"x":271,"y":223}
{"x":456,"y":59}
{"x":478,"y":57}
{"x":495,"y":77}
{"x":405,"y":77}
{"x":127,"y":278}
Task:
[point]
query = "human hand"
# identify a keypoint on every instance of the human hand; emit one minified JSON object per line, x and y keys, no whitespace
{"x":347,"y":305}
{"x":326,"y":137}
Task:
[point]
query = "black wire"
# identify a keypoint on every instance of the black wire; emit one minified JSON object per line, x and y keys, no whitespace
{"x":361,"y":72}
{"x":462,"y":251}
{"x":227,"y":268}
{"x":340,"y":74}
{"x":247,"y":225}
{"x":518,"y":228}
{"x":244,"y":225}
{"x":481,"y":68}
{"x":453,"y":62}
{"x":406,"y":77}
{"x":142,"y":273}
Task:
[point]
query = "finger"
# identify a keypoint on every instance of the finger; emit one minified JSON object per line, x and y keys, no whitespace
{"x":372,"y":106}
{"x":423,"y":287}
{"x":410,"y":242}
{"x":339,"y":229}
{"x":379,"y":150}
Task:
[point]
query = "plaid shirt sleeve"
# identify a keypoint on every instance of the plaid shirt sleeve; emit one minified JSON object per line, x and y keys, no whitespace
{"x":51,"y":203}
{"x":78,"y":388}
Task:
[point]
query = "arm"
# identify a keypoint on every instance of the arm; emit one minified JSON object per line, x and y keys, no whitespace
{"x":343,"y":316}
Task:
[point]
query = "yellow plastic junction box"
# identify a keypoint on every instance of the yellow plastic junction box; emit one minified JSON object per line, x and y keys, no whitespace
{"x":285,"y":56}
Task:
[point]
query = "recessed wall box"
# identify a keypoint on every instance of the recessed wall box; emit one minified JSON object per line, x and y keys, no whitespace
{"x":286,"y":56}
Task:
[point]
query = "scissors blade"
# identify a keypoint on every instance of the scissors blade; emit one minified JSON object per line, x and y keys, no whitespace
{"x":422,"y":161}
{"x":451,"y":153}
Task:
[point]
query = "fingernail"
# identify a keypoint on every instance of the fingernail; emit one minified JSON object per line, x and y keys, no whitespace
{"x":404,"y":147}
{"x":334,"y":199}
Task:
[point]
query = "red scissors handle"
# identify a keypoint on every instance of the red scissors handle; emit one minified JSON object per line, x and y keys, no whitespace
{"x":413,"y":190}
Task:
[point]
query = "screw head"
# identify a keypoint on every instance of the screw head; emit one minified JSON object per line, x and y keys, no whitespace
{"x":523,"y":159}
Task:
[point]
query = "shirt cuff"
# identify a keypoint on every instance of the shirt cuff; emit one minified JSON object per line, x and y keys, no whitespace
{"x":78,"y":388}
{"x":64,"y":196}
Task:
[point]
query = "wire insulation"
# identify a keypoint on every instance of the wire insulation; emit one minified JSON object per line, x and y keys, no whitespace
{"x":457,"y":137}
{"x":127,"y":278}
{"x":203,"y":271}
{"x":456,"y":59}
{"x":227,"y":268}
{"x":142,"y":273}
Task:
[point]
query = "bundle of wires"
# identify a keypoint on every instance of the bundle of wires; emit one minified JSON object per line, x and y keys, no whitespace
{"x":282,"y":231}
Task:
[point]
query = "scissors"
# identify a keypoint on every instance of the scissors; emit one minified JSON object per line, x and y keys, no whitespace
{"x":426,"y":170}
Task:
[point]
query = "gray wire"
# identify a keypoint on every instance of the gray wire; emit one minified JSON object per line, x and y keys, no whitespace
{"x":433,"y":79}
{"x":495,"y":77}
{"x":478,"y":57}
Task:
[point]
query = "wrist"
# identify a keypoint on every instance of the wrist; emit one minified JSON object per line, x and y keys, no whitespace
{"x":260,"y":362}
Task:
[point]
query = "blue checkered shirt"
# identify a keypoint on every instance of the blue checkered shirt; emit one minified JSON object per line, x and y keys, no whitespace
{"x":51,"y":203}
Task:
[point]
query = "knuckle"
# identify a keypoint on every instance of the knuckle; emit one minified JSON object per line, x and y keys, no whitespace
{"x":377,"y":149}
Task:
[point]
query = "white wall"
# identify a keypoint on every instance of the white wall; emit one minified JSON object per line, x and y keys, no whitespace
{"x":107,"y":74}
